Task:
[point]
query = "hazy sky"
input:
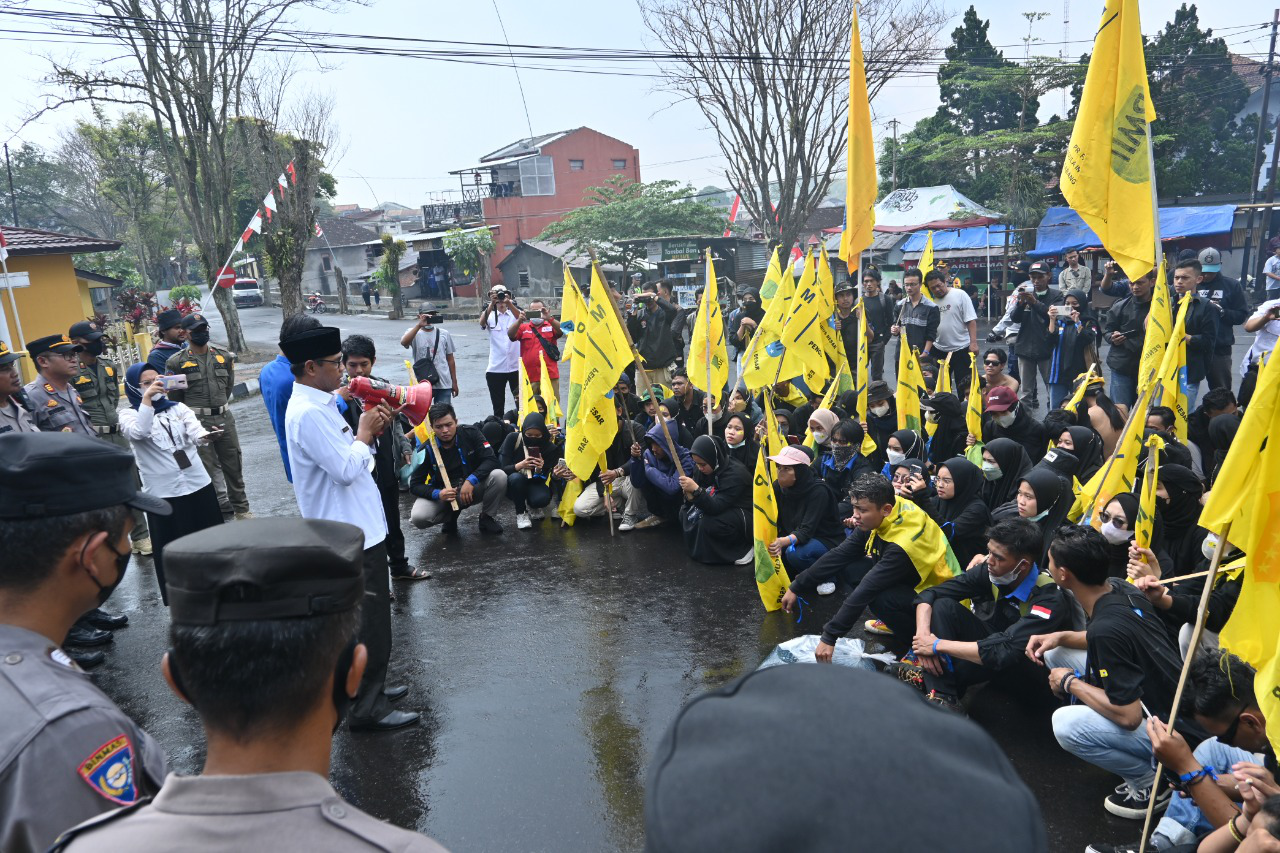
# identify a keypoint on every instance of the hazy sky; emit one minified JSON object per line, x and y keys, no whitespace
{"x":405,"y":122}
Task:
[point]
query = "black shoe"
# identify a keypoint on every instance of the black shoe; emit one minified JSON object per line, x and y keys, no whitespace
{"x":489,"y":524}
{"x":394,"y":693}
{"x":394,"y":720}
{"x":1130,"y":803}
{"x":82,"y":635}
{"x":100,"y":618}
{"x":450,"y":525}
{"x":86,"y":660}
{"x":945,"y":701}
{"x":908,"y":672}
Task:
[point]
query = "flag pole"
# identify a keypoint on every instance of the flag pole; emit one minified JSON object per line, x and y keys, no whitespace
{"x":1202,"y":613}
{"x":706,"y":294}
{"x":1114,"y":455}
{"x":17,"y":320}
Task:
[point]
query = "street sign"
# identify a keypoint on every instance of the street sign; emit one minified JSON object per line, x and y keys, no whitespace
{"x":226,"y":277}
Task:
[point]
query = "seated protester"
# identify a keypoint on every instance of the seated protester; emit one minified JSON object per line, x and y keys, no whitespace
{"x":554,"y":432}
{"x":949,"y":437}
{"x":263,"y":644}
{"x":656,"y":476}
{"x":807,"y":522}
{"x":1178,"y":494}
{"x":1056,"y":422}
{"x":687,"y":402}
{"x":495,"y":431}
{"x":820,"y":425}
{"x":718,"y":416}
{"x":958,"y":508}
{"x":844,"y":463}
{"x":785,"y":428}
{"x":1085,"y":445}
{"x":1128,"y":669}
{"x":1222,"y":431}
{"x":911,"y":482}
{"x":624,"y":393}
{"x":1118,"y":518}
{"x":647,"y":416}
{"x":881,"y":417}
{"x":679,"y":432}
{"x":1043,"y":497}
{"x":1179,"y":601}
{"x":1219,"y":401}
{"x":1004,"y":464}
{"x":615,"y":479}
{"x":1162,"y":421}
{"x":740,"y":401}
{"x":473,"y":473}
{"x":894,"y":552}
{"x":1006,"y":417}
{"x":1061,"y":462}
{"x":1013,"y":599}
{"x":527,"y":458}
{"x":717,"y":514}
{"x":903,"y":444}
{"x":1100,"y":412}
{"x":738,"y":437}
{"x":994,"y":363}
{"x":1220,"y":693}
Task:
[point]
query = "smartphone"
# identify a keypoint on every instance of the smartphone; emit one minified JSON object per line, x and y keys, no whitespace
{"x":174,"y":382}
{"x":1062,"y":310}
{"x":534,"y":315}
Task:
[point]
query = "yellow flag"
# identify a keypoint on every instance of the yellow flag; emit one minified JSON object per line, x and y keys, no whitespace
{"x":1170,"y":388}
{"x":1119,"y":473}
{"x":861,"y":180}
{"x":772,"y":438}
{"x":863,"y":379}
{"x":771,"y":578}
{"x":1082,"y":388}
{"x":564,"y":509}
{"x":1144,"y":527}
{"x":973,"y":412}
{"x":942,"y":385}
{"x":910,"y":384}
{"x":772,"y":280}
{"x":1159,"y":327}
{"x":527,"y":404}
{"x":911,"y":529}
{"x":708,"y":353}
{"x":601,"y":352}
{"x":832,"y":342}
{"x":839,"y":384}
{"x":926,"y":257}
{"x":804,"y":348}
{"x":1107,"y":174}
{"x":572,"y":306}
{"x":761,"y":360}
{"x":549,"y":393}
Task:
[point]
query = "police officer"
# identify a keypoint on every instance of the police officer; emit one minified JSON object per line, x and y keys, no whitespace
{"x":67,"y":753}
{"x":98,"y":384}
{"x":14,"y":416}
{"x":55,"y":405}
{"x":211,"y":374}
{"x":172,"y":337}
{"x":263,"y":646}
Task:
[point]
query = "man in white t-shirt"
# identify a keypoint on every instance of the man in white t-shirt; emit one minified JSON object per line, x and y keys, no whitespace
{"x":426,"y":340}
{"x":1271,"y":271}
{"x":504,"y":353}
{"x":957,"y":329}
{"x":1265,"y":323}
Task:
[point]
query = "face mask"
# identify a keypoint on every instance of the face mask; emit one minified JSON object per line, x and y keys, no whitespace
{"x":1209,"y":544}
{"x":842,"y":455}
{"x":122,"y":563}
{"x":820,"y":436}
{"x":95,"y":347}
{"x":895,"y":456}
{"x":200,"y":338}
{"x":1038,"y":516}
{"x":1006,"y":419}
{"x":880,"y":411}
{"x":738,"y":406}
{"x":991,"y":471}
{"x":736,"y":444}
{"x":1114,"y":534}
{"x":1006,"y":580}
{"x":931,"y":417}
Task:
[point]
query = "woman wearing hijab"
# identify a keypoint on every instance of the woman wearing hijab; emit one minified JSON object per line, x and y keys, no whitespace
{"x":807,"y":523}
{"x":716,"y":514}
{"x":739,"y":439}
{"x":910,"y":479}
{"x":821,"y":423}
{"x":748,"y":320}
{"x":529,"y":457}
{"x":1069,"y":337}
{"x":1086,"y":445}
{"x":1004,"y":464}
{"x":1222,"y":431}
{"x":1178,"y":495}
{"x":958,"y":508}
{"x":948,"y":440}
{"x":902,"y":445}
{"x":844,"y":463}
{"x":1119,"y":518}
{"x":1045,"y":498}
{"x":165,"y":436}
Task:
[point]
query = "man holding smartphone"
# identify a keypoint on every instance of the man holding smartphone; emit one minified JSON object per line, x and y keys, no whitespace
{"x":1265,"y":324}
{"x":427,"y":343}
{"x":1126,"y":331}
{"x":536,"y":331}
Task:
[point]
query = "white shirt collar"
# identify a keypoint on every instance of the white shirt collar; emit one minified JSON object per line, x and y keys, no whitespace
{"x":315,"y":395}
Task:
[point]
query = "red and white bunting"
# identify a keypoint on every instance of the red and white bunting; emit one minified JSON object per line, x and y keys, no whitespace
{"x":319,"y":230}
{"x":733,"y":215}
{"x":293,"y":173}
{"x":284,"y":185}
{"x":269,"y":204}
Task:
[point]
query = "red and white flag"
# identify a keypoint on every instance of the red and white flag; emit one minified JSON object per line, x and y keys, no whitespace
{"x":269,"y":203}
{"x":733,"y":215}
{"x":4,"y":247}
{"x":284,"y":185}
{"x":293,"y":173}
{"x":319,"y":231}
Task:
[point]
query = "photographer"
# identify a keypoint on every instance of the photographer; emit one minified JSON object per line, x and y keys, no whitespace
{"x":536,"y":332}
{"x":432,"y":349}
{"x":504,"y":353}
{"x":1265,"y":324}
{"x":1034,"y":347}
{"x":650,"y":327}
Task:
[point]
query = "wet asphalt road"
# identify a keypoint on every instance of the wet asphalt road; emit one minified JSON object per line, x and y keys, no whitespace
{"x":547,"y":665}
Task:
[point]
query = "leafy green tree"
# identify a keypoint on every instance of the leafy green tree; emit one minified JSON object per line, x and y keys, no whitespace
{"x":622,"y":209}
{"x":387,"y":276}
{"x":470,"y":252}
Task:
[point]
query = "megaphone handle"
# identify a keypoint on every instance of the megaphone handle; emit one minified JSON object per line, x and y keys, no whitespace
{"x":444,"y":475}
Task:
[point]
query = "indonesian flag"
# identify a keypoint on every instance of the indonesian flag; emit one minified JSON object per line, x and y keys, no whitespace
{"x":284,"y":185}
{"x":239,"y":245}
{"x":293,"y":173}
{"x":319,"y":231}
{"x":733,"y":215}
{"x":254,"y":227}
{"x":269,"y":203}
{"x":4,"y":247}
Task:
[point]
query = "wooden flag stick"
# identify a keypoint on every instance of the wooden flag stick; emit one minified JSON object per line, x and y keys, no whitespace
{"x":444,"y":475}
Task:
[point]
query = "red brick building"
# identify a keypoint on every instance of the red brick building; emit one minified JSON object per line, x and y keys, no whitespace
{"x":529,"y":184}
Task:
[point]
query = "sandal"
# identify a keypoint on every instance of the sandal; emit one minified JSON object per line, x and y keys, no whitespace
{"x":413,"y":574}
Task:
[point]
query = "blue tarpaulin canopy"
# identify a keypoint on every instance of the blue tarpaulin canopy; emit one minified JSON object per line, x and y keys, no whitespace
{"x":976,"y":240}
{"x":1062,"y":229}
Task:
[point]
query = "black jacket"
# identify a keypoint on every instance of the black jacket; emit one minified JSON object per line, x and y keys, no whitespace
{"x":651,"y":330}
{"x":1202,"y":334}
{"x":1234,"y":309}
{"x":1033,"y":333}
{"x":881,"y":314}
{"x":1129,"y":317}
{"x":1025,"y":430}
{"x":470,"y":458}
{"x":891,"y":567}
{"x":808,"y":510}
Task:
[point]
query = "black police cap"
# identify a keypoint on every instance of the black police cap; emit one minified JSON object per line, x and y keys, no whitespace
{"x":60,"y":344}
{"x":86,"y":329}
{"x":7,"y":356}
{"x":168,"y":319}
{"x":194,"y":321}
{"x":62,"y":473}
{"x":265,"y":568}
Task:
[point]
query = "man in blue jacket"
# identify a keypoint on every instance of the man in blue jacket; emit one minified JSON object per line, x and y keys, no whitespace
{"x":657,"y":477}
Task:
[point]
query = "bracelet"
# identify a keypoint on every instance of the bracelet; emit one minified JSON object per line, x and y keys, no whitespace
{"x":793,"y":539}
{"x":1235,"y":833}
{"x":935,"y":646}
{"x":1065,"y":687}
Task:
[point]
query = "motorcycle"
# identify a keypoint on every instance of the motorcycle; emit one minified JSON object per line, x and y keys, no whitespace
{"x":316,"y":304}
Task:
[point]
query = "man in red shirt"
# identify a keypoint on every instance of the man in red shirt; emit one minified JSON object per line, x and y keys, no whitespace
{"x":537,"y":323}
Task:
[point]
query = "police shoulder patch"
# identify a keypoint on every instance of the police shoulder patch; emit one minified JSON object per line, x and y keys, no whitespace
{"x":110,"y":370}
{"x":220,"y":359}
{"x":189,"y":364}
{"x":84,"y":380}
{"x":109,"y":771}
{"x":48,"y":388}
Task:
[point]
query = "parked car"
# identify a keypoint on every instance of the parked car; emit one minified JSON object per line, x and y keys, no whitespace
{"x":247,"y":293}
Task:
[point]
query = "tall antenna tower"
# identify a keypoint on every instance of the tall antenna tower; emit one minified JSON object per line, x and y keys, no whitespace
{"x":1066,"y":46}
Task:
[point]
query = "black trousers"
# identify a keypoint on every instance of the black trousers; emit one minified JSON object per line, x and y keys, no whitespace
{"x":498,"y":393}
{"x":395,"y":536}
{"x":375,"y":632}
{"x":960,"y":375}
{"x":894,"y":606}
{"x":661,"y":504}
{"x":526,"y":492}
{"x":953,"y":621}
{"x":191,"y":513}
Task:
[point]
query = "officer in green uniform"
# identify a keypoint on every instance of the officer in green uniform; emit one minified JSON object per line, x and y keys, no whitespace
{"x":55,"y":405}
{"x":210,"y":372}
{"x":98,"y":384}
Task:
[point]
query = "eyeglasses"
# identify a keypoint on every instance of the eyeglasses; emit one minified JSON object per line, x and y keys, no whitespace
{"x":334,"y":361}
{"x":944,"y":481}
{"x":1120,"y":521}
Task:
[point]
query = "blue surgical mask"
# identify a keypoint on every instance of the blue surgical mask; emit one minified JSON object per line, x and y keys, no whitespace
{"x":1038,"y":516}
{"x":991,"y":471}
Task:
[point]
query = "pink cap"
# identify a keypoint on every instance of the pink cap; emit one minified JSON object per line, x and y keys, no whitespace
{"x":791,"y":455}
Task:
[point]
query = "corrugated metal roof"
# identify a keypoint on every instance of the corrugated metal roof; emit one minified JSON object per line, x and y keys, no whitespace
{"x":30,"y":241}
{"x":526,"y":146}
{"x":341,"y":232}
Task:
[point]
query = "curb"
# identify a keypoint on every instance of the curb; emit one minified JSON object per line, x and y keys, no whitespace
{"x":245,"y":389}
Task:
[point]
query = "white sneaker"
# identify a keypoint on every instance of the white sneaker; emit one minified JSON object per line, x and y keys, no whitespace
{"x":522,"y":521}
{"x":628,"y":523}
{"x":746,"y":559}
{"x":826,"y":588}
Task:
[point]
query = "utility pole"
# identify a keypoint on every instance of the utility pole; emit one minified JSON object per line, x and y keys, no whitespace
{"x":13,"y":199}
{"x":893,"y":122}
{"x":1066,"y":45}
{"x":1255,"y":175}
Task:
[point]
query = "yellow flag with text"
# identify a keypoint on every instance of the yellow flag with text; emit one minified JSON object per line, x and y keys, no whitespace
{"x":862,"y":382}
{"x":1120,"y":472}
{"x":572,"y":306}
{"x":527,"y":403}
{"x":1170,"y":387}
{"x":973,"y":411}
{"x":861,"y":180}
{"x":832,"y":342}
{"x":1159,"y":327}
{"x":804,"y":347}
{"x":772,"y":280}
{"x":771,"y":577}
{"x":601,"y":352}
{"x":1144,"y":527}
{"x":926,"y":257}
{"x":1107,"y":173}
{"x":554,"y":414}
{"x":910,"y":384}
{"x":764,"y":354}
{"x":708,"y":353}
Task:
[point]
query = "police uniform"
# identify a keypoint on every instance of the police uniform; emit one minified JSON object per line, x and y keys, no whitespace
{"x":210,"y":378}
{"x":51,"y":409}
{"x":14,"y":416}
{"x":300,"y":568}
{"x":67,"y":753}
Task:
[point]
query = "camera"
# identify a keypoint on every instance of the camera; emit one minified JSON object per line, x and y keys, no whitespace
{"x":173,"y":382}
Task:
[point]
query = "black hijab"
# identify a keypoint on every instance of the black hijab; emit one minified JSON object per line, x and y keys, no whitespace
{"x":534,"y":420}
{"x":911,"y":443}
{"x":1222,"y":431}
{"x":745,"y":452}
{"x":1014,"y":464}
{"x":754,"y":309}
{"x":1053,"y":498}
{"x":967,"y":481}
{"x":1182,"y":511}
{"x":1088,"y":449}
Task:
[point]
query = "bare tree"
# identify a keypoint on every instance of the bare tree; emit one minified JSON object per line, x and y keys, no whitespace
{"x":772,"y":76}
{"x":187,"y":62}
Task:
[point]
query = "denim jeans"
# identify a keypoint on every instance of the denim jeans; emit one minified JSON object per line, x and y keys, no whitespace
{"x":1057,"y":393}
{"x":798,"y":558}
{"x":1088,"y":735}
{"x":1184,"y":822}
{"x":1124,"y":389}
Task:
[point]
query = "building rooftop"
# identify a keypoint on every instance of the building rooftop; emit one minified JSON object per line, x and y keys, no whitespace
{"x":30,"y":241}
{"x":341,"y":232}
{"x":523,"y":147}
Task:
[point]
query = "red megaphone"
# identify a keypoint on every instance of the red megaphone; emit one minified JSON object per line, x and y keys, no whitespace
{"x":413,"y":401}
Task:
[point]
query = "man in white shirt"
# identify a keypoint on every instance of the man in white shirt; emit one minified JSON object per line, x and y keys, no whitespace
{"x":1265,"y":324}
{"x":426,"y":340}
{"x":957,"y":329}
{"x":331,"y":469}
{"x":1271,"y":271}
{"x":504,"y":353}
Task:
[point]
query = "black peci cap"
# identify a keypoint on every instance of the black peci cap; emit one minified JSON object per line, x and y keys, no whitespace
{"x":59,"y":344}
{"x":168,"y":319}
{"x":312,"y":344}
{"x":265,"y":568}
{"x":63,"y":473}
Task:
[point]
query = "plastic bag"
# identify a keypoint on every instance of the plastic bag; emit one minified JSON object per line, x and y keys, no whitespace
{"x":849,"y":652}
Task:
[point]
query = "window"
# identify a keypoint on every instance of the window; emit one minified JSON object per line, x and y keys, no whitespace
{"x":619,"y":164}
{"x":576,"y":165}
{"x":537,"y":176}
{"x":524,"y":279}
{"x":327,"y":263}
